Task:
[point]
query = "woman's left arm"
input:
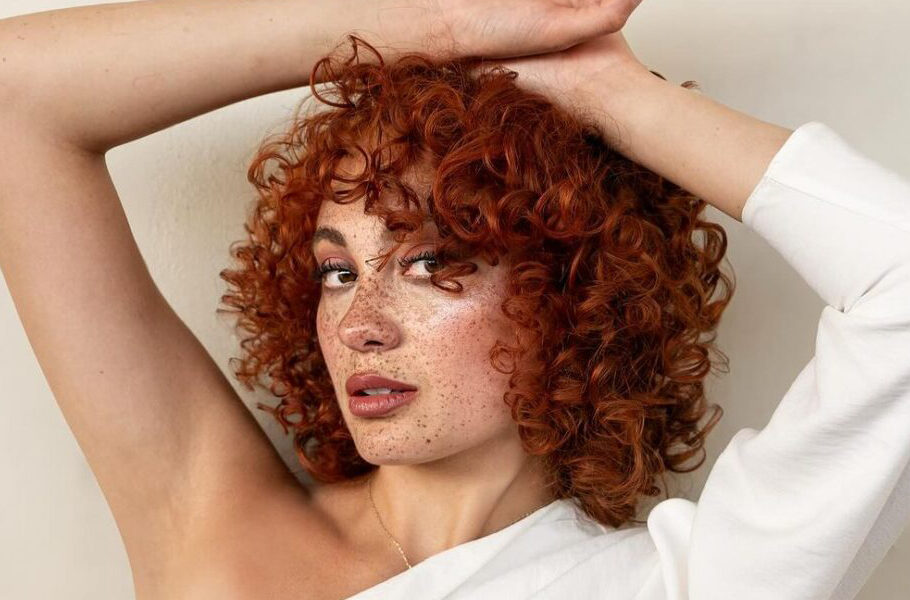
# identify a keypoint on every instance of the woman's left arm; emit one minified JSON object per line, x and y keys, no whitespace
{"x":806,"y":507}
{"x":713,"y":151}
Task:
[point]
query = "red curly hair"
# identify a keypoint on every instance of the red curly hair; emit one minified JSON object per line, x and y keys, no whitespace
{"x":607,"y":288}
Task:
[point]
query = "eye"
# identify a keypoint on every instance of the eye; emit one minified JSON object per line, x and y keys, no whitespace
{"x":426,"y":255}
{"x":328,"y":268}
{"x":341,"y":271}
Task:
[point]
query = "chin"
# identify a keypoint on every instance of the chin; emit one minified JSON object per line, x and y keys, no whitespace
{"x":385,"y":448}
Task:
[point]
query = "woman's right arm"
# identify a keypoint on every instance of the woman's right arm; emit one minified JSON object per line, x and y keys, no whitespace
{"x":174,"y":450}
{"x":99,"y":76}
{"x":172,"y":447}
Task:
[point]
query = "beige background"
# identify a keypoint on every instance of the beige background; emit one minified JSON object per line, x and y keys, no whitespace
{"x":185,"y":191}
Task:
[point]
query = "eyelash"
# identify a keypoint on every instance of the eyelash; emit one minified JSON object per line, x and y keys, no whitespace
{"x":329,"y":266}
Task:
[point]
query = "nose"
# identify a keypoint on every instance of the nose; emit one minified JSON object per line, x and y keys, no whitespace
{"x":365,"y":326}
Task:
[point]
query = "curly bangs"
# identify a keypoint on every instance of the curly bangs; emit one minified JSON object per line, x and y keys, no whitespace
{"x":608,"y":291}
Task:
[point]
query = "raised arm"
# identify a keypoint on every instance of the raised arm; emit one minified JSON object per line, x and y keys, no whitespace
{"x":807,"y":506}
{"x":102,"y":75}
{"x":98,"y":76}
{"x":712,"y":150}
{"x":174,"y":450}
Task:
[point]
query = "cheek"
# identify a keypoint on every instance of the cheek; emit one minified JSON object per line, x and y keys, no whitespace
{"x":326,"y":332}
{"x":327,"y":317}
{"x":458,"y":363}
{"x":321,"y":322}
{"x":465,"y":331}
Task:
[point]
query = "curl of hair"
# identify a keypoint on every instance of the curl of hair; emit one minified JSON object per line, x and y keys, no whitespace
{"x":609,"y":292}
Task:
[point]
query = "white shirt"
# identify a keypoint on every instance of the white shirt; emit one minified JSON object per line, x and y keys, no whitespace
{"x":805,"y":508}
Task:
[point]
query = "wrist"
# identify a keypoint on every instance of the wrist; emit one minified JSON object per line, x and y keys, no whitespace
{"x":621,"y":96}
{"x":392,"y":27}
{"x":711,"y":150}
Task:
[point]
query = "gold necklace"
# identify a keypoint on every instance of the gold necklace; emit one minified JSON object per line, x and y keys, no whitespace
{"x":397,"y":545}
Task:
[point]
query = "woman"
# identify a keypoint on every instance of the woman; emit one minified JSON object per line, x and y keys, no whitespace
{"x":484,"y":481}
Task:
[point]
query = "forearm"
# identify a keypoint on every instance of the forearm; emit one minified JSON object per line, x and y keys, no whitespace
{"x":102,"y":75}
{"x":711,"y":150}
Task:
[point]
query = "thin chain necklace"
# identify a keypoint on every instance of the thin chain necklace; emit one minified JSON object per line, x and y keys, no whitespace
{"x":397,"y":545}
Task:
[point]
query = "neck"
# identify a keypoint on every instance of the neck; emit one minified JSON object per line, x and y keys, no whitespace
{"x":434,"y":506}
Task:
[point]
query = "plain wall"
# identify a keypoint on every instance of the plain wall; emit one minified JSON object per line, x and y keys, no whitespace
{"x":185,"y":193}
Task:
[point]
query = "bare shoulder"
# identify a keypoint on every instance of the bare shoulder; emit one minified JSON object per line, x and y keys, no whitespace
{"x":257,"y":540}
{"x":290,"y":543}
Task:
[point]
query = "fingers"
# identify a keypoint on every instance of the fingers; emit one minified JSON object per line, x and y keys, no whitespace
{"x":581,"y":24}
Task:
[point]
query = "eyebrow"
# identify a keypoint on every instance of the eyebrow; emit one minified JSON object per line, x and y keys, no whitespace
{"x":331,"y":234}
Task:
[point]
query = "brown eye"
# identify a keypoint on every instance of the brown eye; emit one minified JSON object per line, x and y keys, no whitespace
{"x":330,"y":267}
{"x":426,"y":256}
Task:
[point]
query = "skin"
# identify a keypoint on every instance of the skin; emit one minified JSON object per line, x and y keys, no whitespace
{"x":426,"y":504}
{"x":65,"y":115}
{"x":713,"y":151}
{"x":451,"y":466}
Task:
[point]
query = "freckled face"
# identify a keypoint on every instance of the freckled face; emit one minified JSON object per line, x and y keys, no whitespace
{"x":396,"y":322}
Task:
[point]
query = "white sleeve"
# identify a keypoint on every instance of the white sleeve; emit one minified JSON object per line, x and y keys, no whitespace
{"x":807,"y":507}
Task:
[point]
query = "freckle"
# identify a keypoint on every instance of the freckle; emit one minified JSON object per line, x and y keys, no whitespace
{"x":428,"y":440}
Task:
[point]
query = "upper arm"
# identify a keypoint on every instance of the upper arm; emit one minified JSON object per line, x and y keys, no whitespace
{"x":164,"y":432}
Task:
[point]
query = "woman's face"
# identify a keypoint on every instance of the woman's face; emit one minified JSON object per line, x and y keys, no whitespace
{"x":398,"y":324}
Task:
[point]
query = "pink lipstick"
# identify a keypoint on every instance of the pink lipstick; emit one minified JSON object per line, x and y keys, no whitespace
{"x":371,"y":395}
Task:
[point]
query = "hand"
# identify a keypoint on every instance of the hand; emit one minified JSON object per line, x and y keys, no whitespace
{"x":680,"y":135}
{"x":501,"y":28}
{"x":565,"y":76}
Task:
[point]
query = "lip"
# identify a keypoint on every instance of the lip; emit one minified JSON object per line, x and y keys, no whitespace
{"x":359,"y":381}
{"x":380,"y":404}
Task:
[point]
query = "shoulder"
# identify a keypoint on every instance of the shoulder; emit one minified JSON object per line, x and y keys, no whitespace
{"x":275,"y":539}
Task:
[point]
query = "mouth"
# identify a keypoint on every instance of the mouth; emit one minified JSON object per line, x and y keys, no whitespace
{"x":378,"y":391}
{"x":363,"y":384}
{"x":372,"y":395}
{"x":379,"y":405}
